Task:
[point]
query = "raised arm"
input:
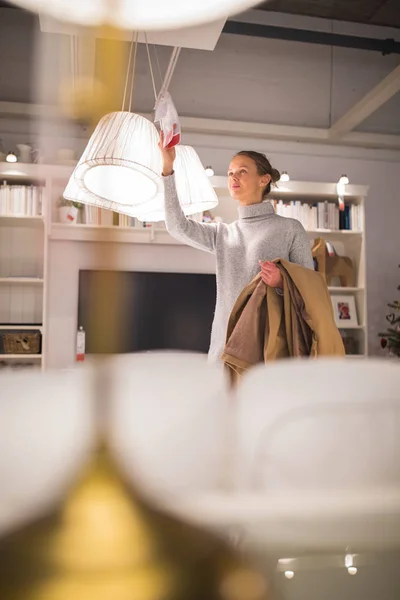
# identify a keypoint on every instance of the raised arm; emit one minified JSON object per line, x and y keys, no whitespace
{"x":201,"y":236}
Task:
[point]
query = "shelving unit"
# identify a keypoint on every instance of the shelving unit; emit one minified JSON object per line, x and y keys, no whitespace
{"x":23,"y":291}
{"x":23,"y":258}
{"x":350,"y":243}
{"x":26,"y":280}
{"x":100,"y":233}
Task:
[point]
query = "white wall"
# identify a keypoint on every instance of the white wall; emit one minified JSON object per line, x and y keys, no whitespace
{"x":67,"y":258}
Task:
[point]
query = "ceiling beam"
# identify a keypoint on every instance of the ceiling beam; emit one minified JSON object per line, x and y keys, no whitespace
{"x":324,"y":38}
{"x":367,"y":105}
{"x":231,"y":129}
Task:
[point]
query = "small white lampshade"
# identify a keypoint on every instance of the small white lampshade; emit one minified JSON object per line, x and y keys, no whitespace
{"x":285,"y":176}
{"x":289,"y":574}
{"x":11,"y":158}
{"x":194,"y":188}
{"x":159,"y":427}
{"x":47,"y":434}
{"x":209,"y":171}
{"x":139,"y":14}
{"x":120,"y":168}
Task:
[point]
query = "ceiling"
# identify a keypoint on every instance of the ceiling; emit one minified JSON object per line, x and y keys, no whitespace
{"x":371,"y":12}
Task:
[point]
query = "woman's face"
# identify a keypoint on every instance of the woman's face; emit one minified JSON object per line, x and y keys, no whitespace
{"x":244,"y":182}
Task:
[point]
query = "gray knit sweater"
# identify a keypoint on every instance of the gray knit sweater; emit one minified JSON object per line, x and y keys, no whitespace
{"x":258,"y":234}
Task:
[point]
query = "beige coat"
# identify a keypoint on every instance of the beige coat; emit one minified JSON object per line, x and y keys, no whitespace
{"x":266,"y":326}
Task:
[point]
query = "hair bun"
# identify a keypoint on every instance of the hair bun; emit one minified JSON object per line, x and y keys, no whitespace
{"x":275,"y":175}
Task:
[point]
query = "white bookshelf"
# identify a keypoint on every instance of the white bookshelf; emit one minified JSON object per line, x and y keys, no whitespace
{"x":23,"y":257}
{"x":23,"y":286}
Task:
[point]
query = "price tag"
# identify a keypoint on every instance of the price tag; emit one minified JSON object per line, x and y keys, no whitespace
{"x":72,"y":213}
{"x":330,"y":249}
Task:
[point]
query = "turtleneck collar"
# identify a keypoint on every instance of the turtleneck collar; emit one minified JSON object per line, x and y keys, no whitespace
{"x":256,"y":211}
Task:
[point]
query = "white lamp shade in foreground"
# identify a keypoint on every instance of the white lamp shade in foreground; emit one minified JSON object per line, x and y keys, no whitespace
{"x":194,"y":188}
{"x":159,"y":428}
{"x":47,"y":434}
{"x":145,"y":15}
{"x":120,"y":168}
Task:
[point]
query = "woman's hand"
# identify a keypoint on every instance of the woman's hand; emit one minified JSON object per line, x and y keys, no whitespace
{"x":168,"y":157}
{"x":270,"y":274}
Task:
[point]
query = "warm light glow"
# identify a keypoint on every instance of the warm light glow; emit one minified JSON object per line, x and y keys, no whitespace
{"x":289,"y":574}
{"x":119,"y":184}
{"x":137,"y":14}
{"x":120,"y":168}
{"x":209,"y":171}
{"x":194,"y":188}
{"x":352,"y":570}
{"x":285,"y":176}
{"x":11,"y":158}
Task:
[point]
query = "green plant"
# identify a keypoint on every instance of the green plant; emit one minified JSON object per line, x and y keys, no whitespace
{"x":63,"y":202}
{"x":390,"y":339}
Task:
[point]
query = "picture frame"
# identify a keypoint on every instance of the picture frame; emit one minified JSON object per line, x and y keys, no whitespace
{"x":345,"y":311}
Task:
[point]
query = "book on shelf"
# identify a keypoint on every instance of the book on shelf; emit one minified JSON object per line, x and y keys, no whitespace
{"x":321,"y":215}
{"x":21,"y":200}
{"x":93,"y":215}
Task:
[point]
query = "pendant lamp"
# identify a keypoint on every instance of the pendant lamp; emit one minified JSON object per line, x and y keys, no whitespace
{"x":194,"y":188}
{"x":120,"y":167}
{"x":142,"y":15}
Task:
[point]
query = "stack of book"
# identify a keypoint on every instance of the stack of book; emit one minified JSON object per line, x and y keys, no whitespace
{"x":93,"y":215}
{"x":21,"y":200}
{"x":321,"y":215}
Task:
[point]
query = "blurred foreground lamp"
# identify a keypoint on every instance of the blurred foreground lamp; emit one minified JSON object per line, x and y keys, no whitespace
{"x":144,"y":15}
{"x":194,"y":188}
{"x":120,"y":167}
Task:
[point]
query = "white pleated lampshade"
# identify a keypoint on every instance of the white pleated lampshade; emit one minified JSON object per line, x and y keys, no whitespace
{"x":194,"y":188}
{"x":144,"y":15}
{"x":120,"y":168}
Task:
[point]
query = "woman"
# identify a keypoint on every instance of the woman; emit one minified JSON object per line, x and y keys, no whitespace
{"x":243,"y":247}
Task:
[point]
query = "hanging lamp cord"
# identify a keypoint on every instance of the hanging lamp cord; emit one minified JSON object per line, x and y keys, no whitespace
{"x":133,"y":72}
{"x":74,"y":60}
{"x":128,"y":71}
{"x":158,"y":64}
{"x":170,"y":70}
{"x":151,"y":68}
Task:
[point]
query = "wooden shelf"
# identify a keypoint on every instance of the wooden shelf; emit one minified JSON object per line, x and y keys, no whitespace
{"x":21,"y":356}
{"x":21,"y":327}
{"x":345,"y":290}
{"x":348,"y":327}
{"x":333,"y":232}
{"x":22,"y":280}
{"x":24,"y":220}
{"x":296,"y":189}
{"x":99,"y":233}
